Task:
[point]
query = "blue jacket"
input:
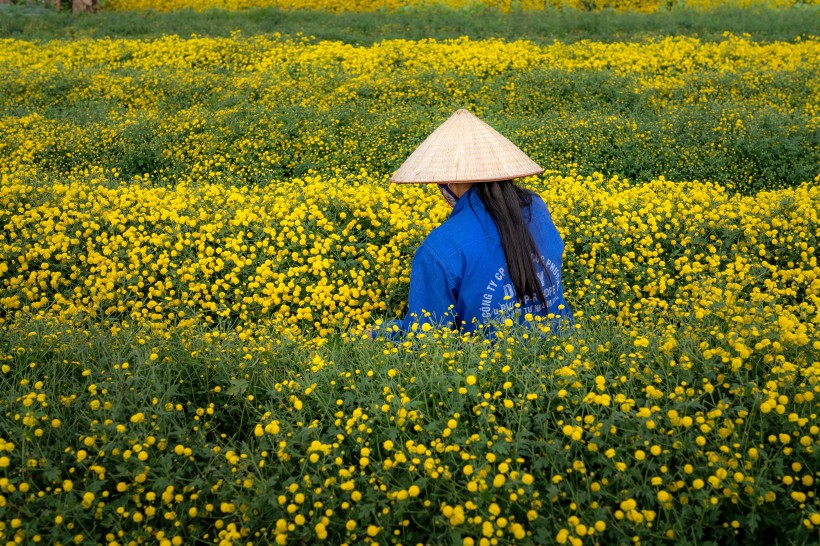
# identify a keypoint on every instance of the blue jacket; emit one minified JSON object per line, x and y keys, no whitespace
{"x":459,"y":273}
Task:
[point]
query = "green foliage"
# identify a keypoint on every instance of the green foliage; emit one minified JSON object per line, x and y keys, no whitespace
{"x":554,"y":416}
{"x":367,"y":28}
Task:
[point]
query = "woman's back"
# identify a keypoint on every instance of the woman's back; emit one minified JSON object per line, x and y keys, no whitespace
{"x":460,"y":274}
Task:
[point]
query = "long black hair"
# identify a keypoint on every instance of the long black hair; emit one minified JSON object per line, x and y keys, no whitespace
{"x":506,"y":203}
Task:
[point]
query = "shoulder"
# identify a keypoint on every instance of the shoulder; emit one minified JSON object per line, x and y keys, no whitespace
{"x":537,"y":201}
{"x":539,"y":207}
{"x":461,"y":229}
{"x":442,"y":242}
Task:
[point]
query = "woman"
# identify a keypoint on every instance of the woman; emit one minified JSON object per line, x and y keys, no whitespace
{"x":499,"y":254}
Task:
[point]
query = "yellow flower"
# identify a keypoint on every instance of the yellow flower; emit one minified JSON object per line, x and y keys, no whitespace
{"x":798,"y":496}
{"x":88,"y":498}
{"x":628,"y":505}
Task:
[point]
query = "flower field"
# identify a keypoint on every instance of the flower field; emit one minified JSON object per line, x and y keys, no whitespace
{"x":197,"y":232}
{"x":502,"y":5}
{"x":248,"y":110}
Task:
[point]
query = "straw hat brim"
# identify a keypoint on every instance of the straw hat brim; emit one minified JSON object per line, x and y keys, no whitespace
{"x":465,"y":149}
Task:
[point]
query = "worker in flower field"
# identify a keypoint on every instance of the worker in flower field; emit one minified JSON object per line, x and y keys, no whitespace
{"x":498,"y":256}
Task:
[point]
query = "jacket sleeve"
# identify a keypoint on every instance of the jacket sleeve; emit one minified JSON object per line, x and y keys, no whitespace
{"x":432,"y":296}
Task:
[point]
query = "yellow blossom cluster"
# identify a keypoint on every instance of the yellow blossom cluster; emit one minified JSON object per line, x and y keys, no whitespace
{"x":503,"y":5}
{"x":263,"y":54}
{"x":319,"y":253}
{"x":247,"y":110}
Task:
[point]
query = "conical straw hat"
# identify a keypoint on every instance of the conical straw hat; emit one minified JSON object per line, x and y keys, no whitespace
{"x":465,"y":149}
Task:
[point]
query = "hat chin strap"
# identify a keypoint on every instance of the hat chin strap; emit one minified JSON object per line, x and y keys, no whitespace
{"x":448,"y":194}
